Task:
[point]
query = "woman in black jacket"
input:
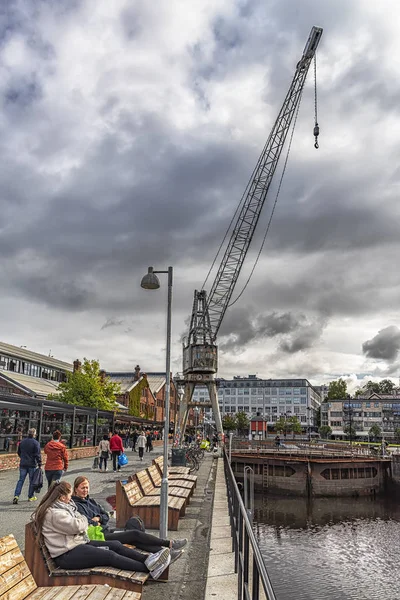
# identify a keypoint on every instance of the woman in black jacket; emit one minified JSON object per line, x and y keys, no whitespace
{"x":96,"y":515}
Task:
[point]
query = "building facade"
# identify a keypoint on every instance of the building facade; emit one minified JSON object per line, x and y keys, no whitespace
{"x":362,"y":413}
{"x":16,"y":361}
{"x":270,"y":398}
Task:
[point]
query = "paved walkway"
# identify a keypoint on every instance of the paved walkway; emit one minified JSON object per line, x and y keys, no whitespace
{"x":204,"y":571}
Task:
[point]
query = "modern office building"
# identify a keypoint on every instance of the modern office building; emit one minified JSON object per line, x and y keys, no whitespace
{"x":362,"y":412}
{"x":271,"y":398}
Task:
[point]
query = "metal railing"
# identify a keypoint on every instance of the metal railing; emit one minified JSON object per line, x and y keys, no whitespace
{"x":249,"y":563}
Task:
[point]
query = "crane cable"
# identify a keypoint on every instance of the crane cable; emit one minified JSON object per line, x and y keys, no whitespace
{"x":273,"y":208}
{"x":316,"y":126}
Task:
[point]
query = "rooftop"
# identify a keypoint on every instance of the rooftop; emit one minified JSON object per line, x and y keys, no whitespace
{"x":34,"y":385}
{"x":34,"y":357}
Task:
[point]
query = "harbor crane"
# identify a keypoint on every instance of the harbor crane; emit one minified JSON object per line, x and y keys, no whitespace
{"x":200,"y":350}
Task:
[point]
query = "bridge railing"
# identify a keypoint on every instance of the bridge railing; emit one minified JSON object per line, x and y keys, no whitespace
{"x":253,"y":580}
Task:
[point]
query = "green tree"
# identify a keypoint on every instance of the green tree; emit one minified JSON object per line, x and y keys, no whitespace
{"x":375,"y":432}
{"x":386,"y":386}
{"x":337,"y":389}
{"x":325,"y":431}
{"x":294,"y":425}
{"x":88,"y":387}
{"x":228,"y":423}
{"x":281,"y":425}
{"x":372,"y":387}
{"x":242,"y":422}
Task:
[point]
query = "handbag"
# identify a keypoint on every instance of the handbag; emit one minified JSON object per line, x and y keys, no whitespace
{"x":95,"y":532}
{"x":122,"y":459}
{"x":95,"y":463}
{"x":37,"y":480}
{"x":135,"y":522}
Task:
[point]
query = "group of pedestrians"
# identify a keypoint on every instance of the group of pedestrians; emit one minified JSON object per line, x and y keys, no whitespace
{"x":31,"y":459}
{"x":63,"y":516}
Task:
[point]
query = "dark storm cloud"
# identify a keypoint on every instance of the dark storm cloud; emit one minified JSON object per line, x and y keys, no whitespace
{"x":385,"y":345}
{"x":241,"y":328}
{"x":306,"y":338}
{"x":61,"y":294}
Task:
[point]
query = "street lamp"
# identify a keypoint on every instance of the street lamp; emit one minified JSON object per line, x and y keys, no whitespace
{"x":151,"y":282}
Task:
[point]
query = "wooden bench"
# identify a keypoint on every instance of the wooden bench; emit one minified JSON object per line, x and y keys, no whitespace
{"x":156,"y":479}
{"x":18,"y":583}
{"x":173,"y":472}
{"x":149,"y":489}
{"x":131,"y":501}
{"x":46,"y":572}
{"x":159,"y":461}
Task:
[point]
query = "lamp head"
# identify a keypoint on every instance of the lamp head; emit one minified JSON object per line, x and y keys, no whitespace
{"x":150,"y":281}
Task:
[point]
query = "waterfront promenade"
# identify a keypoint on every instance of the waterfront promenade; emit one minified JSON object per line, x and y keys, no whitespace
{"x":206,"y":569}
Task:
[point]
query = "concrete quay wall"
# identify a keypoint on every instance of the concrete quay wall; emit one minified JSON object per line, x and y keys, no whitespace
{"x":315,"y":477}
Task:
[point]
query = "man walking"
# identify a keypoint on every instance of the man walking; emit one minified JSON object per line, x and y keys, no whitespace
{"x":116,"y":448}
{"x":134,"y":440}
{"x":30,"y":458}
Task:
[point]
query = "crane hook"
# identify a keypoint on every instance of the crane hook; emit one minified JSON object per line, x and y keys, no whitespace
{"x":316,"y":134}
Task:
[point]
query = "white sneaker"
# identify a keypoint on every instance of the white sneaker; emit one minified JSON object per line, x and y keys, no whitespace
{"x":158,"y":559}
{"x":158,"y":571}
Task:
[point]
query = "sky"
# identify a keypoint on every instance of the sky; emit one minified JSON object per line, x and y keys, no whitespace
{"x":128,"y":133}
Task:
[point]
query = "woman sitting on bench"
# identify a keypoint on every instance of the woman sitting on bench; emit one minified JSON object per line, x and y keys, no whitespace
{"x":64,"y":532}
{"x":96,"y":515}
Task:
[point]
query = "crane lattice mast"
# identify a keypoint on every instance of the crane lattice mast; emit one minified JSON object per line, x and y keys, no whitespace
{"x":200,"y":352}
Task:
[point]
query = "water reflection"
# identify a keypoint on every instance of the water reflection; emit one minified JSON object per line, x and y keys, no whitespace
{"x":331,"y":548}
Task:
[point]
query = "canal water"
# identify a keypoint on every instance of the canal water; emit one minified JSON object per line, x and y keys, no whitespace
{"x":331,"y":548}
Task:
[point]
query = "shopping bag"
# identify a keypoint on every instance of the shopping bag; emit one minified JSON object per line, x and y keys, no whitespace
{"x":95,"y":532}
{"x":95,"y":463}
{"x":37,"y":480}
{"x":122,"y":459}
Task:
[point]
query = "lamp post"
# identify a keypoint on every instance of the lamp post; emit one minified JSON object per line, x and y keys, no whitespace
{"x":151,"y":282}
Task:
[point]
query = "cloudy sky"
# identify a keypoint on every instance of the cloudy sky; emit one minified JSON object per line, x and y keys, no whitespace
{"x":129,"y":130}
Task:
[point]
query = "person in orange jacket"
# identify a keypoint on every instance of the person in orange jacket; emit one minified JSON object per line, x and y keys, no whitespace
{"x":57,"y":459}
{"x":116,"y":448}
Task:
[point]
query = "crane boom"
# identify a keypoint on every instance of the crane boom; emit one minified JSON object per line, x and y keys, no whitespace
{"x":256,"y":192}
{"x":200,"y":352}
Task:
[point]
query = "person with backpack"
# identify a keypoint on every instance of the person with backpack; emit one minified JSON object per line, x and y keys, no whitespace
{"x":134,"y":532}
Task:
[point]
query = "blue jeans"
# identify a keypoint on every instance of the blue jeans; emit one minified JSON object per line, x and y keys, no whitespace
{"x":23,"y":472}
{"x":53,"y":476}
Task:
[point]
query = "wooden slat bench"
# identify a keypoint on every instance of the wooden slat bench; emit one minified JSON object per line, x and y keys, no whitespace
{"x":180,"y":470}
{"x":156,"y":479}
{"x":18,"y":583}
{"x":173,"y":472}
{"x":131,"y":501}
{"x":46,"y":572}
{"x":149,"y":489}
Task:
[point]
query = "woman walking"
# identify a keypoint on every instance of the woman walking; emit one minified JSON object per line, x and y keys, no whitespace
{"x":141,"y":444}
{"x":57,"y":459}
{"x":64,"y":532}
{"x":104,"y":452}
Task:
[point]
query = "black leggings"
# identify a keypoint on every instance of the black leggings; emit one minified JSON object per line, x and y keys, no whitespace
{"x":135,"y":537}
{"x":93,"y":554}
